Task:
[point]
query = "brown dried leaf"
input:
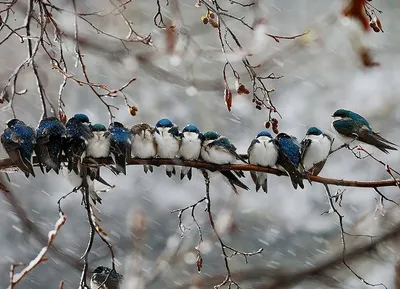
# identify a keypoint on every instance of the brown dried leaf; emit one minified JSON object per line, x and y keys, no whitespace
{"x":170,"y":38}
{"x":199,"y":261}
{"x":240,"y":88}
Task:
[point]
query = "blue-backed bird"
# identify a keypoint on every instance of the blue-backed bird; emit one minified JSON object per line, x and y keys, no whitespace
{"x":262,"y":152}
{"x":19,"y":140}
{"x":217,"y":149}
{"x":189,"y":147}
{"x":351,"y":127}
{"x":315,"y":148}
{"x":105,"y":278}
{"x":120,"y":146}
{"x":289,"y":157}
{"x":78,"y":135}
{"x":143,"y":143}
{"x":50,"y":137}
{"x":166,"y":135}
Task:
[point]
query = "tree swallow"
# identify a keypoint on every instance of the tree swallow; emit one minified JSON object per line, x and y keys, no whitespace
{"x":217,"y":149}
{"x":262,"y":152}
{"x":18,"y":139}
{"x":189,"y":148}
{"x":78,"y":135}
{"x":289,"y":157}
{"x":105,"y":278}
{"x":166,"y":135}
{"x":350,"y":126}
{"x":315,"y":148}
{"x":50,"y":137}
{"x":143,"y":143}
{"x":98,"y":145}
{"x":120,"y":147}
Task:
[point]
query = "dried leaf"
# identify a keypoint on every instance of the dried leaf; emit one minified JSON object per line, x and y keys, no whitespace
{"x":199,"y":261}
{"x":228,"y":98}
{"x":62,"y":117}
{"x":240,"y":88}
{"x":355,"y":9}
{"x":170,"y":38}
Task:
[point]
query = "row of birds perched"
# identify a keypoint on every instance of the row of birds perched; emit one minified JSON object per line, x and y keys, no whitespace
{"x":79,"y":138}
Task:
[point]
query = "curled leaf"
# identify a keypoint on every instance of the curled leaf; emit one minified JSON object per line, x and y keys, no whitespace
{"x":199,"y":261}
{"x":62,"y":117}
{"x":376,"y":24}
{"x":240,"y":88}
{"x":228,"y":98}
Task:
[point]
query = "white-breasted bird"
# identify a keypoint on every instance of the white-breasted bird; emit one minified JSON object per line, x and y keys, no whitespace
{"x":217,"y":149}
{"x":143,"y":143}
{"x":262,"y":152}
{"x":166,"y":135}
{"x":190,"y":146}
{"x":315,"y":148}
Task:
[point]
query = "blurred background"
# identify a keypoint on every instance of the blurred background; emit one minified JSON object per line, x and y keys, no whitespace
{"x":322,"y":72}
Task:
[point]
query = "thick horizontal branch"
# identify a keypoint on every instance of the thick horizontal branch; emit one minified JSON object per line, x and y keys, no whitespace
{"x":7,"y":164}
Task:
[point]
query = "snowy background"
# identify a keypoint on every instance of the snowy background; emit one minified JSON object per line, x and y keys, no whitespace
{"x":319,"y":77}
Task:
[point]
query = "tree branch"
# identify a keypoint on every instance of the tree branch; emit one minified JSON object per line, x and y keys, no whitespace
{"x":7,"y":165}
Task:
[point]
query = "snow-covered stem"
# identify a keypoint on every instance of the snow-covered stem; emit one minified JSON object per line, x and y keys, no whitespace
{"x":15,"y":278}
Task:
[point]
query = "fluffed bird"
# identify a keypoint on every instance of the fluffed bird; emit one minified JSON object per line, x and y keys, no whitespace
{"x":289,"y":157}
{"x":262,"y":152}
{"x":315,"y":148}
{"x":105,"y":278}
{"x":78,"y":135}
{"x":98,"y":145}
{"x":19,"y":140}
{"x":217,"y":149}
{"x":143,"y":143}
{"x":350,"y":126}
{"x":190,"y":147}
{"x":50,"y":138}
{"x":120,"y":146}
{"x":166,"y":135}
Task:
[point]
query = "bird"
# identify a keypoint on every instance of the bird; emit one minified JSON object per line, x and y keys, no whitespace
{"x":143,"y":143}
{"x":217,"y":149}
{"x":120,"y":145}
{"x":262,"y":152}
{"x":189,"y":147}
{"x":105,"y":278}
{"x":166,"y":135}
{"x":19,"y":140}
{"x":350,"y":126}
{"x":78,"y":135}
{"x":98,"y":145}
{"x":315,"y":149}
{"x":289,"y":157}
{"x":50,"y":138}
